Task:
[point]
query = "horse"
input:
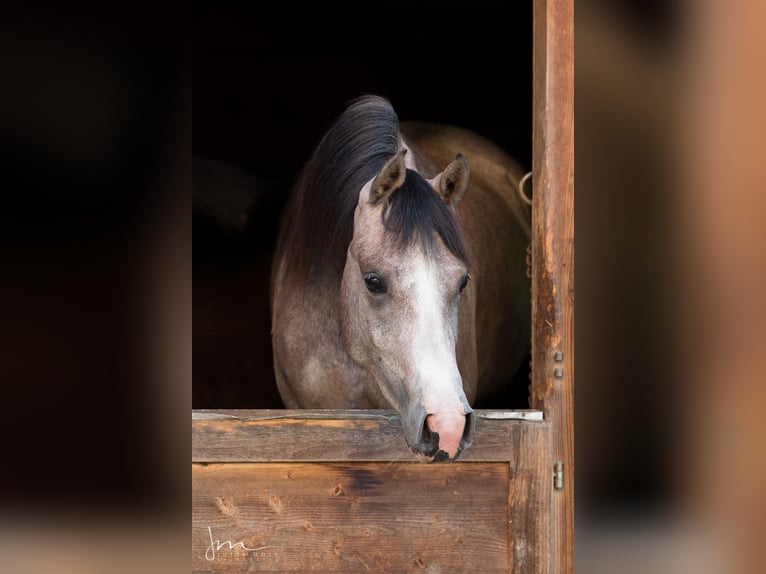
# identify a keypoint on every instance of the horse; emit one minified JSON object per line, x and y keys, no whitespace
{"x":399,"y":275}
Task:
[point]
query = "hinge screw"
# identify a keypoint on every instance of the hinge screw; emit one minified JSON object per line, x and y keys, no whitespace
{"x":558,"y":356}
{"x":558,"y":373}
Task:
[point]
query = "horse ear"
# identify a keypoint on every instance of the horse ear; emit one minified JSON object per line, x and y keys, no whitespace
{"x":390,"y":178}
{"x":453,"y":181}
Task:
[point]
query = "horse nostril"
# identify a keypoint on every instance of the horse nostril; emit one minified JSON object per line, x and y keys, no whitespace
{"x":468,"y":431}
{"x":429,"y":440}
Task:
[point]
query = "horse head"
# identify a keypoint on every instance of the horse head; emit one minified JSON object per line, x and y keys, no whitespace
{"x":406,"y":268}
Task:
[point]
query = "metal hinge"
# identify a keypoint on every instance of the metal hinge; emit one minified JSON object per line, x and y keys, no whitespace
{"x":558,"y":475}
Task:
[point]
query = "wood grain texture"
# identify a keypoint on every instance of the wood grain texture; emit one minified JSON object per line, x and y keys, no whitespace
{"x":529,"y":504}
{"x":553,"y":253}
{"x":344,"y":514}
{"x":304,"y":436}
{"x":343,"y":517}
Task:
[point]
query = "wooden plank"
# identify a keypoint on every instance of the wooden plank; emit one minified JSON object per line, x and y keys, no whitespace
{"x":529,"y":503}
{"x":262,"y":414}
{"x":304,"y":436}
{"x":552,"y":389}
{"x":350,"y":517}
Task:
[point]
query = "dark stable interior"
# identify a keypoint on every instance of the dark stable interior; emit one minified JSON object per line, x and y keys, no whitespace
{"x":268,"y":81}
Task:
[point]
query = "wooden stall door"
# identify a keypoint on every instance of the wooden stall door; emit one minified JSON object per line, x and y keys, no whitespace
{"x":339,"y":491}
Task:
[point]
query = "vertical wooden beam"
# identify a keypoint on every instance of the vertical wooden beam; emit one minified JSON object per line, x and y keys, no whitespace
{"x":529,"y":504}
{"x":552,"y":389}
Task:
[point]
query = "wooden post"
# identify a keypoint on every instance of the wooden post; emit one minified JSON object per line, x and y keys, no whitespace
{"x":552,"y":389}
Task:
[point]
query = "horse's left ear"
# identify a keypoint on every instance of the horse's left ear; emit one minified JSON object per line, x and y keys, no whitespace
{"x":453,"y":181}
{"x":390,"y":178}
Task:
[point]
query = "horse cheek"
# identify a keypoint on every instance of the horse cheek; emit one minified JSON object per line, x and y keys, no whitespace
{"x":353,"y":332}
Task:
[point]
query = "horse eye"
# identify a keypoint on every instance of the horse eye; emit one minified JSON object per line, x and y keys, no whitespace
{"x":464,"y":282}
{"x":374,"y":283}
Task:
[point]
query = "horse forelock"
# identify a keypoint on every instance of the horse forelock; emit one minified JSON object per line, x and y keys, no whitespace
{"x":319,"y":219}
{"x":415,"y":212}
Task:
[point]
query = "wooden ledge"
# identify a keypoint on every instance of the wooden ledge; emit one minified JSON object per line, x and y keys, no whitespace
{"x":337,"y":436}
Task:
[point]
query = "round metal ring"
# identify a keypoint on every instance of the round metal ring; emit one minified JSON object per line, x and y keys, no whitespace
{"x":522,"y":182}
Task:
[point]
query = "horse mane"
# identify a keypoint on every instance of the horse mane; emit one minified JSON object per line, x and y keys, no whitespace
{"x":319,"y":218}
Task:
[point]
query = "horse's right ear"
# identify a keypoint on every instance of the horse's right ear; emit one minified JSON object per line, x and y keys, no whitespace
{"x":389,"y":179}
{"x":453,"y":181}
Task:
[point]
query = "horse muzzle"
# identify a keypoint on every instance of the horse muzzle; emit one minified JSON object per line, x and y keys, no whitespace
{"x":439,"y":437}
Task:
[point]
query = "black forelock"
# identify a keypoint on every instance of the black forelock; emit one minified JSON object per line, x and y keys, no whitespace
{"x":415,"y":212}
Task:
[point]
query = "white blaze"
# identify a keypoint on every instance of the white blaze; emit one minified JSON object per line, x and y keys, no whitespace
{"x":434,"y":344}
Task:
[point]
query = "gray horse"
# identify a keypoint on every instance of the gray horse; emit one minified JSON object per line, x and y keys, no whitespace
{"x":397,"y":285}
